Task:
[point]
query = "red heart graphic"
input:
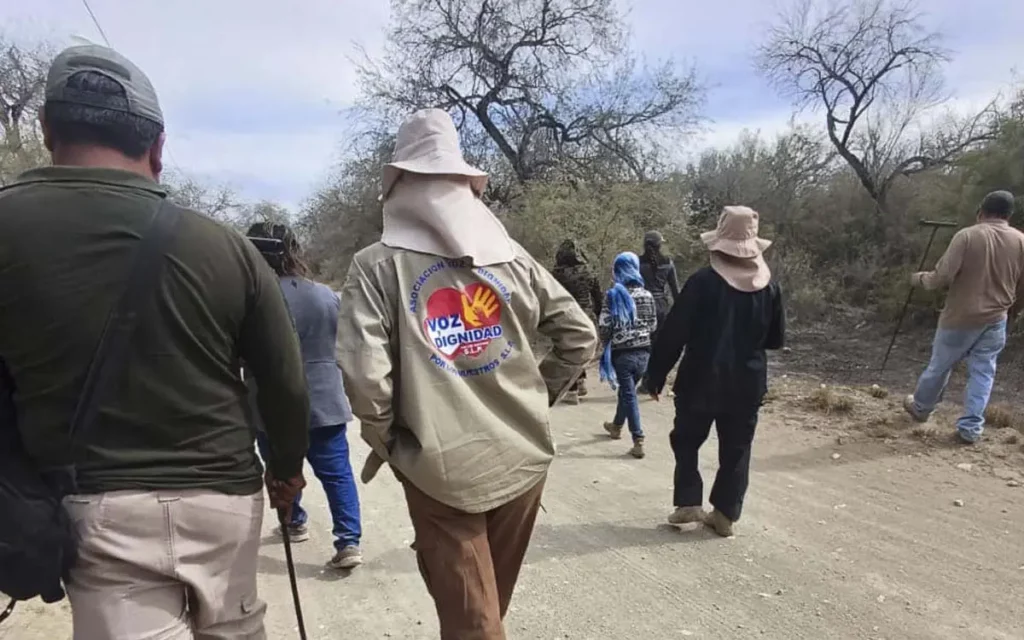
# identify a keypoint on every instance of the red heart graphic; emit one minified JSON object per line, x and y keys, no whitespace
{"x":463,"y":322}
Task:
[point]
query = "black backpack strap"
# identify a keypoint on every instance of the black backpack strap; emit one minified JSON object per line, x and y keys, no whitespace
{"x":112,"y":349}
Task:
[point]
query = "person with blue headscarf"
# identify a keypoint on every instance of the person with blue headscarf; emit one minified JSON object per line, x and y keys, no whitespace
{"x":625,"y":325}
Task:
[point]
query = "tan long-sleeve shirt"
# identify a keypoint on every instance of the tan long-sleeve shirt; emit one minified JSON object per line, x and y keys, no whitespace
{"x":441,"y":371}
{"x":984,"y":271}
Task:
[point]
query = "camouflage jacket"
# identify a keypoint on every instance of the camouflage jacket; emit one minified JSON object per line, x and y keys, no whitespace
{"x":579,"y":281}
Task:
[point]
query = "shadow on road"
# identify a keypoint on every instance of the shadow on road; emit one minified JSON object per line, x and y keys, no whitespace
{"x":569,"y":449}
{"x":303,"y":570}
{"x":573,"y":540}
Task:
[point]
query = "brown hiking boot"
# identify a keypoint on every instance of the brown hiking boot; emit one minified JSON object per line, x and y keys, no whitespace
{"x":638,"y":449}
{"x":687,"y":515}
{"x":614,"y":430}
{"x":717,"y":522}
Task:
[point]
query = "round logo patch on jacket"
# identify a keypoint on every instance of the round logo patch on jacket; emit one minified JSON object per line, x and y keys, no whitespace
{"x":463,"y":322}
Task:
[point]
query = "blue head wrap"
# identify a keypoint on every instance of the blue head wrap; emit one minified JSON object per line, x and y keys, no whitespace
{"x":620,"y":304}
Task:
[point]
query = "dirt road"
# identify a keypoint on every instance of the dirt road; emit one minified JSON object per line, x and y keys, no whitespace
{"x":872,"y":544}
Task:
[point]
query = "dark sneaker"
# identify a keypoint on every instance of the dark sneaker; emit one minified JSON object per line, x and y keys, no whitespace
{"x":960,"y":438}
{"x":915,"y":415}
{"x":614,"y":430}
{"x":348,"y":558}
{"x":296,"y":532}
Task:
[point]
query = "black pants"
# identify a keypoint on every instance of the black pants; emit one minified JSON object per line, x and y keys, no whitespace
{"x":735,"y":437}
{"x":662,"y":313}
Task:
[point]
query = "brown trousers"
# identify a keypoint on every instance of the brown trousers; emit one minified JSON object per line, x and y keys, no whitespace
{"x":470,"y":561}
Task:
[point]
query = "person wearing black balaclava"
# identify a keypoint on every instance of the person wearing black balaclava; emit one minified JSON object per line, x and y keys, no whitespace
{"x":659,"y":274}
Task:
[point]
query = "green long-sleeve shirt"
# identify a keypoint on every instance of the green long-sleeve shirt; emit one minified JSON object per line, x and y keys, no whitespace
{"x":177,"y":416}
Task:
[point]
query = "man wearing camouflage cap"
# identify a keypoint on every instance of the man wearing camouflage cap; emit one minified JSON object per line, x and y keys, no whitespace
{"x":168,"y":501}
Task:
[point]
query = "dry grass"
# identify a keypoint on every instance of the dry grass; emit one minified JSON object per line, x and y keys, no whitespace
{"x":924,"y":433}
{"x":1000,"y":416}
{"x":880,"y":393}
{"x":826,"y":400}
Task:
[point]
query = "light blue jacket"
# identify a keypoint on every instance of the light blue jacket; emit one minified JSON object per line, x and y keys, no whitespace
{"x":314,"y":309}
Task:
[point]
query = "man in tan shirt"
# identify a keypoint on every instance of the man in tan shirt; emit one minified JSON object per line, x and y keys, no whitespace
{"x":436,"y":332}
{"x":983,"y":269}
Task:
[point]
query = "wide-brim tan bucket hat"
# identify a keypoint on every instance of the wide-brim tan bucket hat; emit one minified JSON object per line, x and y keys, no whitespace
{"x":736,"y":234}
{"x":428,"y":144}
{"x":737,"y":252}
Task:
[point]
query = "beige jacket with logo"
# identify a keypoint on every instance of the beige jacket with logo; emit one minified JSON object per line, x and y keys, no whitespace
{"x":442,"y":369}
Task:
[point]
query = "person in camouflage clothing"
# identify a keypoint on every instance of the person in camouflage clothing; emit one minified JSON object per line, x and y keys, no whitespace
{"x":573,"y":273}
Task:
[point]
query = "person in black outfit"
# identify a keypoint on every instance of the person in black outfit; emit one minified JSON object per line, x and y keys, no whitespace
{"x":726,"y":316}
{"x":659,"y":274}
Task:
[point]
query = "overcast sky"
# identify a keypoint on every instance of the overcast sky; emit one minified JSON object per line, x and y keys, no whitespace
{"x":252,"y":90}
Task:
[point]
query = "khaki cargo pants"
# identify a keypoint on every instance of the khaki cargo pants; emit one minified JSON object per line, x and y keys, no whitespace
{"x":470,"y":561}
{"x":166,"y":565}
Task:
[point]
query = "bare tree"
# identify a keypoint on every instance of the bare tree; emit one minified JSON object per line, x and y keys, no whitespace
{"x":876,"y":72}
{"x":220,"y":203}
{"x":771,"y":176}
{"x":22,"y":79}
{"x":550,"y":85}
{"x":345,"y":213}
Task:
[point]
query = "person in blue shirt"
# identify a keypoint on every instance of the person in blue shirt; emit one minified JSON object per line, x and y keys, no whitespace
{"x":314,"y":309}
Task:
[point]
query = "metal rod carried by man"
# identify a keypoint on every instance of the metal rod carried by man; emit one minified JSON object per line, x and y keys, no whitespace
{"x":935,"y":226}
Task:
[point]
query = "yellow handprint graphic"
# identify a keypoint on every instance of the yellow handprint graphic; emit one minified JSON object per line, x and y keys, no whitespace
{"x":483,"y":305}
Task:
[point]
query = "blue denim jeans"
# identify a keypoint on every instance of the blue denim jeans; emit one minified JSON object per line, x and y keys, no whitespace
{"x":630,"y":366}
{"x":981,"y":348}
{"x":328,"y":455}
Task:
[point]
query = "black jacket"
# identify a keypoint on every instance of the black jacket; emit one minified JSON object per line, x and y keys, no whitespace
{"x":659,"y":274}
{"x":725,"y":333}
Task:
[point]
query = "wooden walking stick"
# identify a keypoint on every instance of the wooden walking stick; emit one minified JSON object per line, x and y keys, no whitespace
{"x":282,"y":517}
{"x":935,"y":226}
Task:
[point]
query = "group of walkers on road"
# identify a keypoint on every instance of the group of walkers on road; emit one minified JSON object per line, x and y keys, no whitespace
{"x":158,"y":369}
{"x":719,"y":325}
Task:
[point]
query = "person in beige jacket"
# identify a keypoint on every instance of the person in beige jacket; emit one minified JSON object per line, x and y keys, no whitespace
{"x":437,"y":333}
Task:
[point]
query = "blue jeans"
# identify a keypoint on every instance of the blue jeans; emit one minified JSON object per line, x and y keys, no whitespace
{"x":630,"y":366}
{"x":981,"y":348}
{"x":328,"y":455}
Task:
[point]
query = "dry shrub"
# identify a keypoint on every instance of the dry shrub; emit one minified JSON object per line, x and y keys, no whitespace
{"x":1013,"y":438}
{"x":827,"y":401}
{"x":1000,"y":416}
{"x":875,"y":391}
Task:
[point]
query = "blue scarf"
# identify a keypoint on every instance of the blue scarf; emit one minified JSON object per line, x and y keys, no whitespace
{"x":620,"y":305}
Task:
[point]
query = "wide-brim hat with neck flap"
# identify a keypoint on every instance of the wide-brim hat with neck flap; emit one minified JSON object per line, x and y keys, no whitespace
{"x":428,"y":144}
{"x":736,"y":251}
{"x":736,"y":234}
